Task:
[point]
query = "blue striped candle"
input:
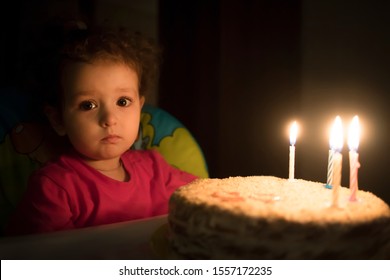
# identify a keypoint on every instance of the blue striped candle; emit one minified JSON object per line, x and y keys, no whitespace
{"x":330,"y":170}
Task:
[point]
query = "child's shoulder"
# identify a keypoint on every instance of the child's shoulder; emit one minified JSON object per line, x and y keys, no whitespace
{"x":62,"y":165}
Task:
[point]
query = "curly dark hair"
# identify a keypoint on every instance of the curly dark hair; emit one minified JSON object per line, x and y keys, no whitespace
{"x":89,"y":45}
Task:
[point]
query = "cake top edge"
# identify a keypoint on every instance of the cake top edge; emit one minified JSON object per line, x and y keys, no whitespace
{"x":272,"y":197}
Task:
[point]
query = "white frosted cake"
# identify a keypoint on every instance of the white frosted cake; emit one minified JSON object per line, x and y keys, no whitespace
{"x":265,"y":217}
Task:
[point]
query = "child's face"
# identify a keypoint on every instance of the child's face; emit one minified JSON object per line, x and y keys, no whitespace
{"x":101,"y":108}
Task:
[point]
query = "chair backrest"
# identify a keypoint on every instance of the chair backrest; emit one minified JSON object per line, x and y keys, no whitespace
{"x":26,"y":142}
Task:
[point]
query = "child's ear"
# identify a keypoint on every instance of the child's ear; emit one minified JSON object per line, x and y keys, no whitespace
{"x":55,"y":119}
{"x":142,"y":101}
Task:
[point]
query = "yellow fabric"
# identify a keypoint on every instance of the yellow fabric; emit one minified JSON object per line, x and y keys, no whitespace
{"x":175,"y":144}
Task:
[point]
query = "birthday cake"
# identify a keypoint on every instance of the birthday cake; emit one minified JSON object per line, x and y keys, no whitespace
{"x":265,"y":217}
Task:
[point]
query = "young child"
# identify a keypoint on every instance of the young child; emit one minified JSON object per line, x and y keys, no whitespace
{"x":102,"y":78}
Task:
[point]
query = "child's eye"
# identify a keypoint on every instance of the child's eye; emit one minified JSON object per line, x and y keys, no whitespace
{"x":124,"y":102}
{"x":87,"y":105}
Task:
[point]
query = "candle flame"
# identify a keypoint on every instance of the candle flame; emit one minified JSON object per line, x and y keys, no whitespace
{"x":293,"y":133}
{"x":336,"y":135}
{"x":354,"y":134}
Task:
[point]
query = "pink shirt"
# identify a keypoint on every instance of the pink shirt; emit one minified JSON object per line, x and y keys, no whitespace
{"x":69,"y":194}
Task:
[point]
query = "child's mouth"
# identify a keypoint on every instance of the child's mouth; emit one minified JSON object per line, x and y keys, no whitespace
{"x":111,"y":139}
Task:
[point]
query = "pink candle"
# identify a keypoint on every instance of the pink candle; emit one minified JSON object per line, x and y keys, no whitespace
{"x":353,"y":143}
{"x":337,"y":164}
{"x":336,"y":143}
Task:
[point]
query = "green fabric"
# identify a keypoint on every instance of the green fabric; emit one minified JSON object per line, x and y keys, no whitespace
{"x":14,"y":172}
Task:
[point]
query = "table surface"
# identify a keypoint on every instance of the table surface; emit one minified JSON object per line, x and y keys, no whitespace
{"x":126,"y":240}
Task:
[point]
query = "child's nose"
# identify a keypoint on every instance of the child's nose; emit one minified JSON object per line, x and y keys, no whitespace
{"x":107,"y":117}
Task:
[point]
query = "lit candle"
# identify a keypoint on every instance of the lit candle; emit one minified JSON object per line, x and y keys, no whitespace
{"x":293,"y":139}
{"x":336,"y":141}
{"x":353,"y":144}
{"x":330,"y":168}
